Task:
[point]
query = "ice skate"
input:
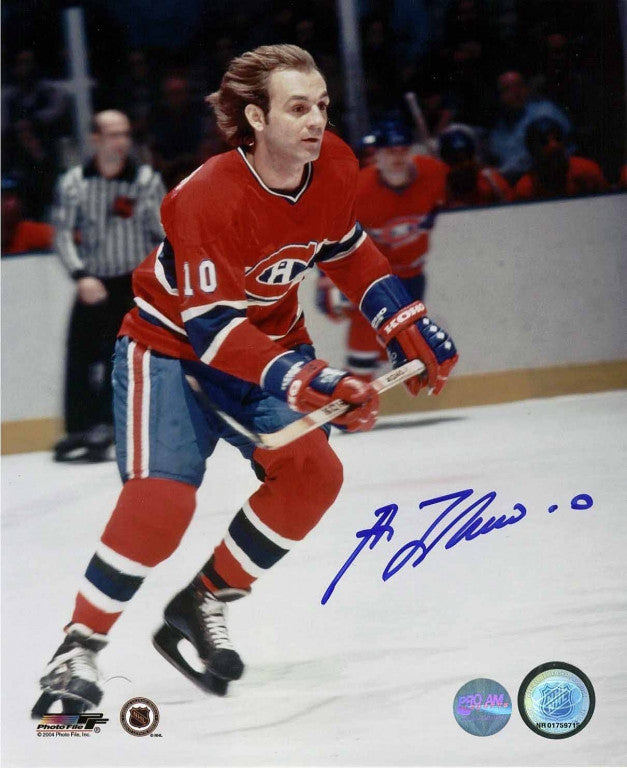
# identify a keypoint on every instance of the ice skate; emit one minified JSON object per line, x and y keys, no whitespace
{"x":71,"y":448}
{"x":93,"y":445}
{"x":199,"y":616}
{"x":99,"y":442}
{"x":72,"y":675}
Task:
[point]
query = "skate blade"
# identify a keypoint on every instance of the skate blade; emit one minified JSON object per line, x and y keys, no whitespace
{"x":166,"y":641}
{"x":70,"y":705}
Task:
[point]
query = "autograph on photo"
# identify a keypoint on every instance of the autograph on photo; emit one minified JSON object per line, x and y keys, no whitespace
{"x":468,"y":524}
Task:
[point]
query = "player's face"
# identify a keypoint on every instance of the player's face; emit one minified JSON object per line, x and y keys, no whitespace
{"x":297,"y":117}
{"x":395,"y":164}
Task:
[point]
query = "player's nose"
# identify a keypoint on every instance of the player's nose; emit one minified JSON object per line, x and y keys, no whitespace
{"x":317,"y":117}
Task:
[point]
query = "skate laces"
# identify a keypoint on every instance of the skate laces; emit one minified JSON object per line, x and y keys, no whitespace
{"x":213,"y":613}
{"x":75,"y":663}
{"x":82,"y":663}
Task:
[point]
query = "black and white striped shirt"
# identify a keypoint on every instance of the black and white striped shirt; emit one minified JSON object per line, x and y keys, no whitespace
{"x":117,"y":220}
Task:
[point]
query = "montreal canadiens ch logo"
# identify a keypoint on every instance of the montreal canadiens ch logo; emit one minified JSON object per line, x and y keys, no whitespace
{"x":280,"y":270}
{"x":398,"y":231}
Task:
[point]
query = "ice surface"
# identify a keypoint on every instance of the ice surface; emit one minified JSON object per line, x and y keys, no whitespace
{"x":370,"y":677}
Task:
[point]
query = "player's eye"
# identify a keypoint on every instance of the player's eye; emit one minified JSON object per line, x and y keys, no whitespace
{"x":298,"y":109}
{"x":323,"y":106}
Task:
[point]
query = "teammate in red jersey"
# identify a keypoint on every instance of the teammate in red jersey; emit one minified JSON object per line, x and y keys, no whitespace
{"x":217,"y":306}
{"x":555,"y":174}
{"x":398,"y":199}
{"x":468,"y":183}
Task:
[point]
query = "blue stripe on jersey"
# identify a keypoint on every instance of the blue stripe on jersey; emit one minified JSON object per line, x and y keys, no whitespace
{"x":335,"y":250}
{"x":110,"y":581}
{"x":155,"y":321}
{"x":166,"y":257}
{"x":259,"y":549}
{"x":201,"y":330}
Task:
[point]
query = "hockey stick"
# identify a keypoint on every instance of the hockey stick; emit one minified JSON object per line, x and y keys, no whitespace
{"x":420,"y":123}
{"x":311,"y":421}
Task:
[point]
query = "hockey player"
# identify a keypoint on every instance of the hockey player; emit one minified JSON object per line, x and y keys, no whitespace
{"x":398,"y":199}
{"x":554,"y":173}
{"x":468,"y":183}
{"x":217,"y":305}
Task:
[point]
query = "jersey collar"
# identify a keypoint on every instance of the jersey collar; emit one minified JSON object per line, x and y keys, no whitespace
{"x":291,"y":197}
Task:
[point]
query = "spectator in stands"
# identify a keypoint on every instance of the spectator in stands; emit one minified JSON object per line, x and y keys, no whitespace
{"x":31,"y":161}
{"x":33,"y":98}
{"x":307,"y":35}
{"x":34,"y":116}
{"x":507,"y":138}
{"x":381,"y":73}
{"x":221,"y":52}
{"x":468,"y":72}
{"x":412,"y":25}
{"x":437,"y":107}
{"x":113,"y":204}
{"x":554,"y":78}
{"x":568,"y":78}
{"x":553,"y":173}
{"x":177,"y":124}
{"x":466,"y":57}
{"x":466,"y":20}
{"x":20,"y":235}
{"x":468,"y":183}
{"x":137,"y":94}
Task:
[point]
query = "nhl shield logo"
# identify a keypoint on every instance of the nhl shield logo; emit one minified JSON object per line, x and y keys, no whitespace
{"x":139,"y":716}
{"x":556,"y":700}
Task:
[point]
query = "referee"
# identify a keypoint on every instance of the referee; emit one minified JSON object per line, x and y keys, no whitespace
{"x":106,"y":219}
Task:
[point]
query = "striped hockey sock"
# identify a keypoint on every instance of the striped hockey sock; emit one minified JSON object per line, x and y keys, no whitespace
{"x":145,"y":528}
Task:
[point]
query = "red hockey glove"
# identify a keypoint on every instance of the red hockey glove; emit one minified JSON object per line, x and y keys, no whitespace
{"x":331,"y":301}
{"x":316,"y":384}
{"x":411,"y":335}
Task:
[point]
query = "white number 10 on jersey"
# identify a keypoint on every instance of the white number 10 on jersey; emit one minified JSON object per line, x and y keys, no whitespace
{"x":206,"y":277}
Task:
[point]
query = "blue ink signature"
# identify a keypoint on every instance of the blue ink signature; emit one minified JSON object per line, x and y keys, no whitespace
{"x":418,"y":549}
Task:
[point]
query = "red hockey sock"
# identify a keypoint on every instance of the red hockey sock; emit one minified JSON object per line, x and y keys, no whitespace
{"x":150,"y":518}
{"x":146,"y":526}
{"x":301,"y":482}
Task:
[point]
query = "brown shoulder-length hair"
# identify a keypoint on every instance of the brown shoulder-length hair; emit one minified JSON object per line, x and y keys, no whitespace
{"x":246,"y":82}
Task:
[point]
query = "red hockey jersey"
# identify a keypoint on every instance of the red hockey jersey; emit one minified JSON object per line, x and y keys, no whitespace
{"x":223,"y":286}
{"x":491,"y":189}
{"x":584,"y":177}
{"x":392,"y":217}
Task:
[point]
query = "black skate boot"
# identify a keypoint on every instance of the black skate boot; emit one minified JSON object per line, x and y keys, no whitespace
{"x":72,"y":674}
{"x":71,"y":448}
{"x":99,"y":440}
{"x":199,"y":616}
